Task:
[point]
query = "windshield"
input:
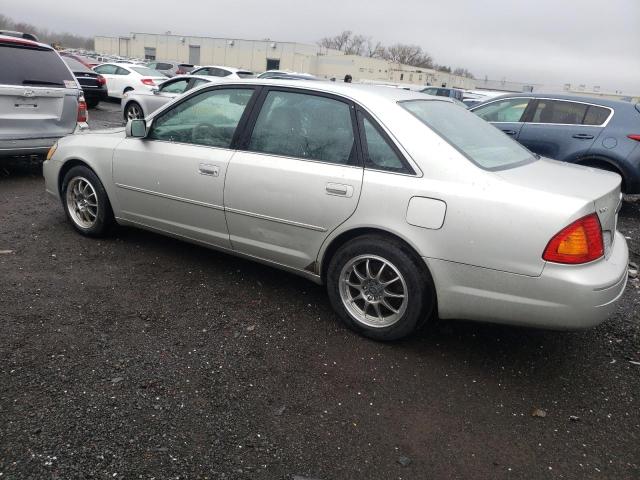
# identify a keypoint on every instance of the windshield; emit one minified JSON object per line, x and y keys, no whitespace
{"x":479,"y":141}
{"x":76,"y":66}
{"x":147,"y":72}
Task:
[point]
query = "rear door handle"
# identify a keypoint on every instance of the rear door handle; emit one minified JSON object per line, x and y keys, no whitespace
{"x":339,"y":189}
{"x":208,"y":169}
{"x":510,"y":132}
{"x":583,"y":136}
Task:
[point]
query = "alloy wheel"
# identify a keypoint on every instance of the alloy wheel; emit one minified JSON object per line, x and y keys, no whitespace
{"x":373,"y":291}
{"x":82,"y":202}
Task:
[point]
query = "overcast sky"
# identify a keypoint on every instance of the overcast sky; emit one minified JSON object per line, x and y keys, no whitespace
{"x":595,"y":42}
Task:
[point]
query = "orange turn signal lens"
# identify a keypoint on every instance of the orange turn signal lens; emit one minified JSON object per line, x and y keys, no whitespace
{"x":52,"y":150}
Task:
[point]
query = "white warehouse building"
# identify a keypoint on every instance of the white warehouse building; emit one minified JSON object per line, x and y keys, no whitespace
{"x":261,"y":55}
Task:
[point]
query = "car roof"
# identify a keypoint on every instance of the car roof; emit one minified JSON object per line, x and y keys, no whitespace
{"x":23,"y":41}
{"x":356,"y":91}
{"x":566,"y":96}
{"x":231,"y":69}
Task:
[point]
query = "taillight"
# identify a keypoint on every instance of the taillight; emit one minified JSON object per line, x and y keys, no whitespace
{"x":82,"y":111}
{"x":148,"y":81}
{"x":580,"y":242}
{"x":634,"y":137}
{"x":101,"y":80}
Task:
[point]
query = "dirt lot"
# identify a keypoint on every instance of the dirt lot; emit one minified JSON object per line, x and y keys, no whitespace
{"x":143,"y":357}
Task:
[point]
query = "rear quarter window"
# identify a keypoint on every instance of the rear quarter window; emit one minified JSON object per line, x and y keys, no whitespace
{"x":32,"y":67}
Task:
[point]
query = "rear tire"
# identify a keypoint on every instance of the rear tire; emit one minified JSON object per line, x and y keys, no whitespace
{"x":86,"y":203}
{"x":92,"y":102}
{"x":380,"y":288}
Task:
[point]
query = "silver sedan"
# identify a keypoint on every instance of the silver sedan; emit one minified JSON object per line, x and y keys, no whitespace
{"x":138,"y":104}
{"x":405,"y":206}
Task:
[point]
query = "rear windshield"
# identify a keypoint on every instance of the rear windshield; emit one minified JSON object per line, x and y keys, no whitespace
{"x":479,"y":141}
{"x":148,"y":72}
{"x":32,"y":66}
{"x":245,"y":74}
{"x":76,"y":66}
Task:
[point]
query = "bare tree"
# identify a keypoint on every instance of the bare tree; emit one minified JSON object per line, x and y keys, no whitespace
{"x":337,"y":42}
{"x":409,"y":55}
{"x":46,"y":36}
{"x":463,"y":72}
{"x":374,"y":50}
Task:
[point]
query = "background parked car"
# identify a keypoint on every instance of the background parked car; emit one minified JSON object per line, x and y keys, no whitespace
{"x":94,"y":85}
{"x":123,"y":77}
{"x":40,"y":99}
{"x":475,"y":97}
{"x":284,"y":75}
{"x":444,"y":92}
{"x":228,"y":72}
{"x":590,"y":131}
{"x":86,"y":61}
{"x":170,"y":69}
{"x":140,"y":103}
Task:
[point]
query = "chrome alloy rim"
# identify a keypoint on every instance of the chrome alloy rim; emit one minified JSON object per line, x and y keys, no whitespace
{"x":134,"y":112}
{"x":373,"y":291}
{"x":82,"y":202}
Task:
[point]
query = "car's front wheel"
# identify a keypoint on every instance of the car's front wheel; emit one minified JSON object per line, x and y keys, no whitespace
{"x":133,"y":111}
{"x":380,"y":288}
{"x":86,"y":203}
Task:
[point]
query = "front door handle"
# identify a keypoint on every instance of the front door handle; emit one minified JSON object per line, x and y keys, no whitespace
{"x":208,"y":169}
{"x":510,"y":132}
{"x":583,"y":136}
{"x":339,"y":189}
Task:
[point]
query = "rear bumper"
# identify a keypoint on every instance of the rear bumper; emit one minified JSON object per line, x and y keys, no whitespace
{"x":563,"y":297}
{"x":31,"y":146}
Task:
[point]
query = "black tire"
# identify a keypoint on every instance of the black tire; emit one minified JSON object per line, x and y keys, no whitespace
{"x":420,"y":298}
{"x":131,"y":107}
{"x":101,"y":215}
{"x":92,"y":102}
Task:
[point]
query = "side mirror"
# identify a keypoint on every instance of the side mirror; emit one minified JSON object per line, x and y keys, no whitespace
{"x":136,"y":128}
{"x":155,"y":90}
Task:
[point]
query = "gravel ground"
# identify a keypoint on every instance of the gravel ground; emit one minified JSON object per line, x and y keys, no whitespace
{"x":139,"y":356}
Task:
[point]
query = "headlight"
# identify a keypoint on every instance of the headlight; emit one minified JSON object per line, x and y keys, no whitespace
{"x":52,"y":150}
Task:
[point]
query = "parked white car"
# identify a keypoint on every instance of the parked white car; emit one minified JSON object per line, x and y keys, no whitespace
{"x":124,"y":77}
{"x":226,"y":72}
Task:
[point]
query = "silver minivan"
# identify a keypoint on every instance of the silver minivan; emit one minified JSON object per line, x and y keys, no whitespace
{"x":40,"y":99}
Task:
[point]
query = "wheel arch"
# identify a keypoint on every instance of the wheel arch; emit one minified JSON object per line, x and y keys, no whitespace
{"x":604,"y":163}
{"x":68,"y":165}
{"x":327,"y":253}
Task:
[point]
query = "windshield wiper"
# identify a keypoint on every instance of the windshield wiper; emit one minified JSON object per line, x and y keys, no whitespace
{"x":41,"y":82}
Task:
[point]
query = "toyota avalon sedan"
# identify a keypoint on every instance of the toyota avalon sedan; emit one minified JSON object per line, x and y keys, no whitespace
{"x":405,"y":206}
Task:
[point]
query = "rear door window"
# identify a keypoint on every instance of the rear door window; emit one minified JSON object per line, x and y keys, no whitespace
{"x":177,"y":86}
{"x":559,"y":112}
{"x":28,"y":66}
{"x":379,"y":154}
{"x":106,"y":69}
{"x":507,"y":110}
{"x":305,"y":126}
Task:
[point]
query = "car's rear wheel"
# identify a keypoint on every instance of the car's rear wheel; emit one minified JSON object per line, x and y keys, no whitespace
{"x":86,"y":203}
{"x":133,"y":111}
{"x":92,"y":102}
{"x":380,"y":288}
